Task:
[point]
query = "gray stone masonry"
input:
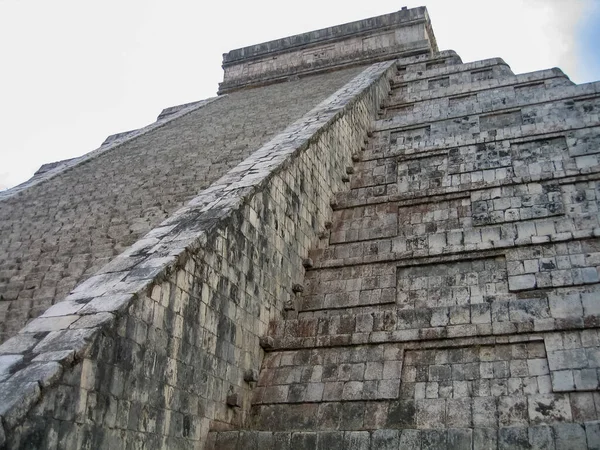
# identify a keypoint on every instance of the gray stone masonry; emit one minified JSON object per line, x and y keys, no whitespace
{"x":404,"y":255}
{"x":453,"y":302}
{"x":403,"y":33}
{"x":59,"y":231}
{"x":154,"y":349}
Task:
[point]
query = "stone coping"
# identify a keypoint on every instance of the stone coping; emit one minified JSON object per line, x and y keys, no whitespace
{"x":35,"y":358}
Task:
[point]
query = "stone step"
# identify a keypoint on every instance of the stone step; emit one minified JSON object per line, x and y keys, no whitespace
{"x":490,"y":112}
{"x":560,"y":436}
{"x":437,"y":172}
{"x":426,"y":62}
{"x":567,"y":308}
{"x":457,"y":243}
{"x":421,"y":104}
{"x":462,"y":88}
{"x":491,"y":382}
{"x":380,"y":147}
{"x":463,"y":212}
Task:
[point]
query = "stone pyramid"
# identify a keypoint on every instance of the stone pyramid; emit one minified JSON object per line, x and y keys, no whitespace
{"x":362,"y":243}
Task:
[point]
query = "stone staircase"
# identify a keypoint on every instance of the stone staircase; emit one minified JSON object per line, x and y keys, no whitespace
{"x":453,"y":301}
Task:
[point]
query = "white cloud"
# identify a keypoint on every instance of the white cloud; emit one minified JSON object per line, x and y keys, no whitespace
{"x":75,"y":72}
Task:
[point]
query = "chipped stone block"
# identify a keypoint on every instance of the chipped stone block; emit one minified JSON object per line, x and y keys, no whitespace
{"x":16,"y":399}
{"x":94,"y":320}
{"x":549,"y":409}
{"x":111,"y":303}
{"x":234,"y":400}
{"x":43,"y":373}
{"x":250,"y":375}
{"x":73,"y":340}
{"x":19,"y":344}
{"x":62,"y":356}
{"x":50,"y":324}
{"x":267,"y":342}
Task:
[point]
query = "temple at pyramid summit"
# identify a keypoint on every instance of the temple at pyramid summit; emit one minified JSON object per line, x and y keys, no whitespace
{"x":361,"y":243}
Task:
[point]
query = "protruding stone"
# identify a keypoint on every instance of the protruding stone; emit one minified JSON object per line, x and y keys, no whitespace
{"x":16,"y":399}
{"x":328,"y":224}
{"x":296,"y":288}
{"x":250,"y":376}
{"x":355,"y":157}
{"x":322,"y":235}
{"x":43,"y":373}
{"x":307,"y":263}
{"x":234,"y":400}
{"x":346,"y":179}
{"x":266,"y":342}
{"x":349,"y":170}
{"x":289,"y":305}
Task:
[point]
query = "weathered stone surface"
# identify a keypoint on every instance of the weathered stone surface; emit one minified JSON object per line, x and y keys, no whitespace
{"x":19,"y":344}
{"x":455,"y":245}
{"x":451,"y":301}
{"x":7,"y":364}
{"x":194,"y":149}
{"x":16,"y":399}
{"x":44,"y":373}
{"x":173,"y":350}
{"x":405,"y":32}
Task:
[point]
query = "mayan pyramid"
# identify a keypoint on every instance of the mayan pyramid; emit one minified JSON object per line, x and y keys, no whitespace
{"x":361,"y":243}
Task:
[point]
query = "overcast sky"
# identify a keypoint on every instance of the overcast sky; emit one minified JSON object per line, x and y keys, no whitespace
{"x":73,"y":72}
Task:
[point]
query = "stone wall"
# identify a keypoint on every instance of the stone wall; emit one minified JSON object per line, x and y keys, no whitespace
{"x":453,"y":303}
{"x":403,"y":33}
{"x":163,"y":342}
{"x":64,"y":225}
